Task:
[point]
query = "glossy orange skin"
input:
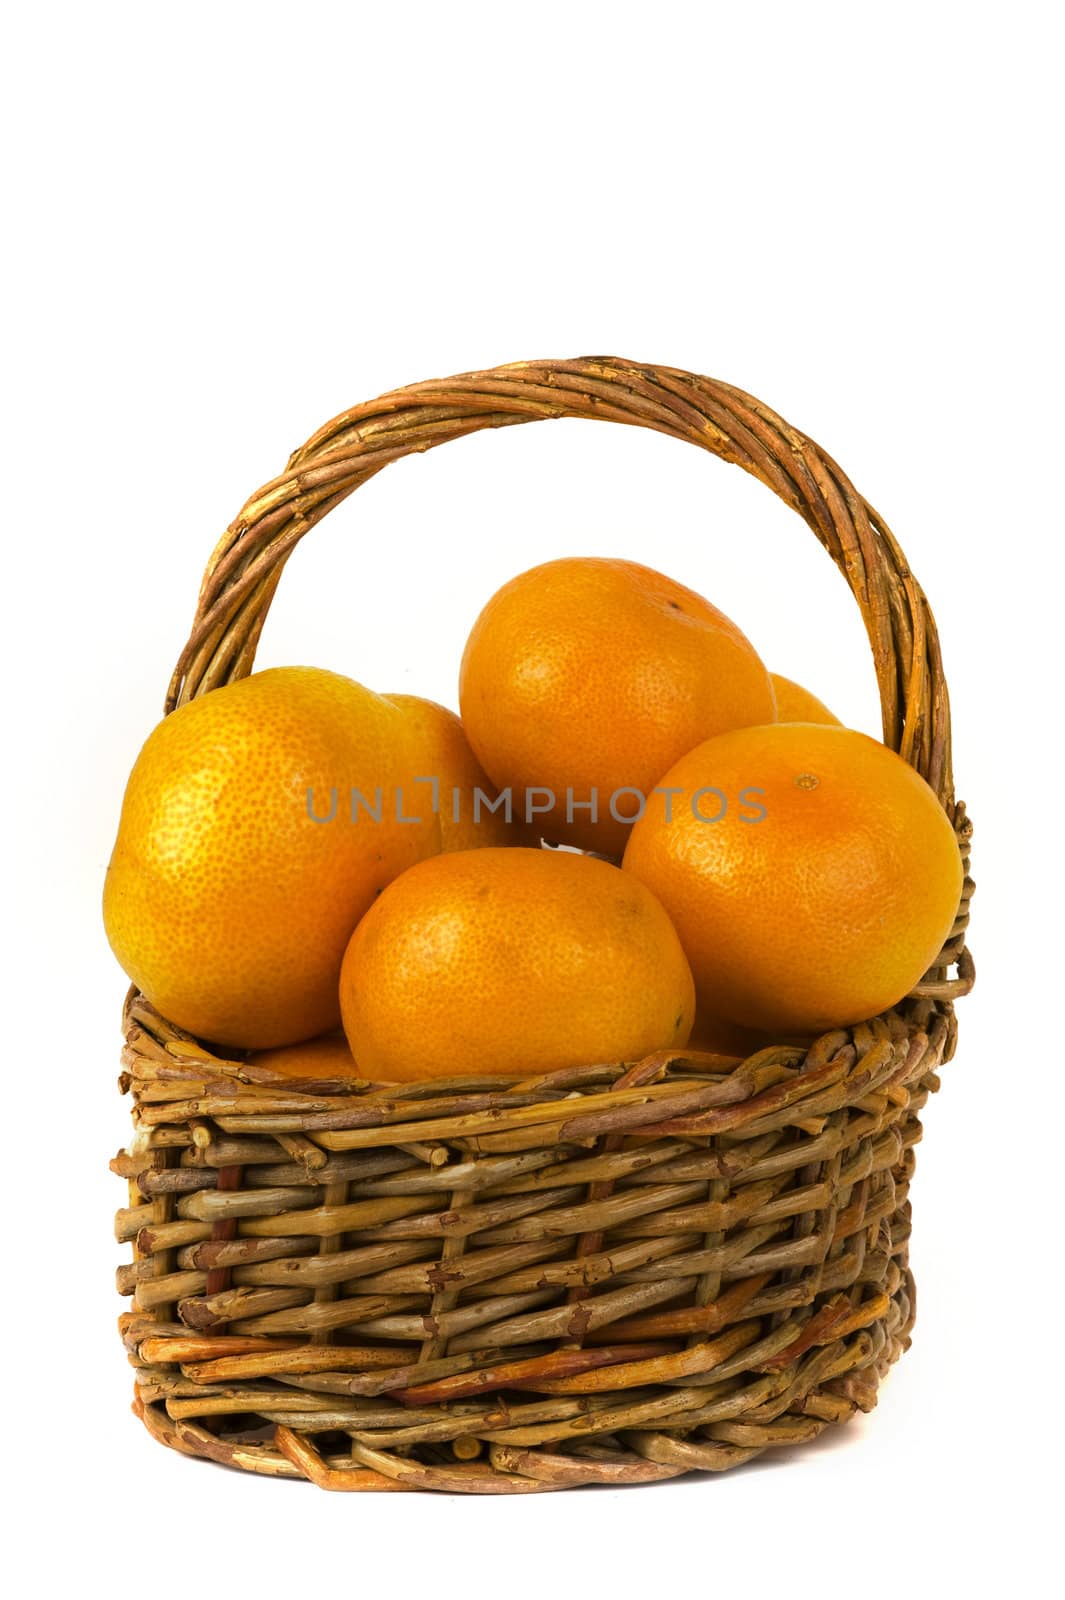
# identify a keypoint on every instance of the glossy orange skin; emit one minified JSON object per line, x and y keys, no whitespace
{"x":512,"y":961}
{"x":826,"y":911}
{"x":796,"y":704}
{"x":597,"y":674}
{"x":327,"y":1056}
{"x":226,"y":904}
{"x":445,"y":754}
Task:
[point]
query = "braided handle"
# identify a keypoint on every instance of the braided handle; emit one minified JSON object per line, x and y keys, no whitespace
{"x":244,"y":570}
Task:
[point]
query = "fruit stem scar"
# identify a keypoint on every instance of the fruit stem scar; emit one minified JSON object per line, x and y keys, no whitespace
{"x":806,"y":780}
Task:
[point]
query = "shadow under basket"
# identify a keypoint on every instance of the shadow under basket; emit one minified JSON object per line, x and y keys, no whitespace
{"x":610,"y":1275}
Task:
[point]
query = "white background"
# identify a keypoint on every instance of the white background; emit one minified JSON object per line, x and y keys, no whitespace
{"x":228,"y":222}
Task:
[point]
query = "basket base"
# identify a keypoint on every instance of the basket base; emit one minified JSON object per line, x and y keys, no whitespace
{"x":783,"y":1407}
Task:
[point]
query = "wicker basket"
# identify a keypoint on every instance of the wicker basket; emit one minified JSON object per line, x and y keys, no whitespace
{"x":612,"y":1275}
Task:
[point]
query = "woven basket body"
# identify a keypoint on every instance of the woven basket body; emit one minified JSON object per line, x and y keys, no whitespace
{"x":615,"y":1274}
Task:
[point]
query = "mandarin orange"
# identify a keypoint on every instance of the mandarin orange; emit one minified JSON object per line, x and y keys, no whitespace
{"x":512,"y":961}
{"x":583,"y":678}
{"x":811,"y":873}
{"x":463,"y":790}
{"x":226,"y":902}
{"x":327,"y":1056}
{"x":796,"y":704}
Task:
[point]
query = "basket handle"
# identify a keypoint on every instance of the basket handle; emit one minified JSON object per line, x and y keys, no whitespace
{"x":244,"y":569}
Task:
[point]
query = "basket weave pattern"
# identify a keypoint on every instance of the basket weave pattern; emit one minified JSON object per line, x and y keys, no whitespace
{"x":614,"y":1274}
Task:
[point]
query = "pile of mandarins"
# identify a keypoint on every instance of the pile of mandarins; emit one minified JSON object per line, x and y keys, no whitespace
{"x":296,"y":851}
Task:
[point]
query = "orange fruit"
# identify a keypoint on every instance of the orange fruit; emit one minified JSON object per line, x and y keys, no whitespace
{"x":725,"y":1038}
{"x":225,"y":902}
{"x":820,"y":888}
{"x":585,"y":677}
{"x":512,"y":961}
{"x":796,"y":704}
{"x":327,"y":1056}
{"x":463,"y":790}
